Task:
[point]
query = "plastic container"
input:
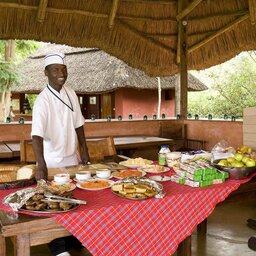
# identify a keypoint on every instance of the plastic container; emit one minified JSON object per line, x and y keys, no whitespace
{"x":173,"y":159}
{"x":162,"y":154}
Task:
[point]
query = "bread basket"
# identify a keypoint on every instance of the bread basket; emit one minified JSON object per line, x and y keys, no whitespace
{"x":8,"y":177}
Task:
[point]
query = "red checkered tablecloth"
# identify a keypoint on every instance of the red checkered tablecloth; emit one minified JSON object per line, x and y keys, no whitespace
{"x":110,"y":225}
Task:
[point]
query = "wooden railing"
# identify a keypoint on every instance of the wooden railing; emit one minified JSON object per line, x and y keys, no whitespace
{"x":209,"y":131}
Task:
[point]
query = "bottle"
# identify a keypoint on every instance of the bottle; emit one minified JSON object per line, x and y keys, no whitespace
{"x":162,"y":154}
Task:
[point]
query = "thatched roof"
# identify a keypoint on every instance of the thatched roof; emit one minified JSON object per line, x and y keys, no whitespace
{"x":143,"y":33}
{"x":93,"y":71}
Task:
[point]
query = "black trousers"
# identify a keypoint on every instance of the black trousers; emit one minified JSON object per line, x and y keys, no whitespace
{"x":64,"y":244}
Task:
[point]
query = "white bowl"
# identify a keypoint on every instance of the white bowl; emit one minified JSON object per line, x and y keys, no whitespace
{"x":61,"y":178}
{"x":83,"y":175}
{"x":103,"y":173}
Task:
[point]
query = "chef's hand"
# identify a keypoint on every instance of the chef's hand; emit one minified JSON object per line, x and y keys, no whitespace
{"x":41,"y":172}
{"x":84,"y":159}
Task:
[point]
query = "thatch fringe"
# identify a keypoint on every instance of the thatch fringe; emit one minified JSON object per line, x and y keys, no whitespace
{"x":139,"y":35}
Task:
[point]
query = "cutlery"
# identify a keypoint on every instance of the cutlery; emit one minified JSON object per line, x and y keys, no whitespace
{"x":54,"y":198}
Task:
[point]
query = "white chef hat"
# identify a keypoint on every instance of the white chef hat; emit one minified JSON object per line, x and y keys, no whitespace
{"x":54,"y":58}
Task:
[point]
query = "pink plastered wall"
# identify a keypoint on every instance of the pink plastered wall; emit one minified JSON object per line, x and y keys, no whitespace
{"x":141,"y":102}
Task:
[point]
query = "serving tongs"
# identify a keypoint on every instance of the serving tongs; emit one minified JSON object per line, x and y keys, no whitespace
{"x":60,"y":199}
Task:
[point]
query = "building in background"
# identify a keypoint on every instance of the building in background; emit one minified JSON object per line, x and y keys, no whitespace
{"x":105,"y":85}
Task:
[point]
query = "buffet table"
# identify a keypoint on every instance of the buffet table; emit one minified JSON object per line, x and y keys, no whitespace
{"x":111,"y":225}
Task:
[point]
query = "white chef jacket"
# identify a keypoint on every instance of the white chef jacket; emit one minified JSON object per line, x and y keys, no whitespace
{"x":56,"y":123}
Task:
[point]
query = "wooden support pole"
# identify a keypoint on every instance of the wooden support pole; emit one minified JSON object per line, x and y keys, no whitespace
{"x":42,"y":10}
{"x":252,"y":10}
{"x":188,"y":9}
{"x":112,"y":14}
{"x":183,"y":90}
{"x":183,"y":76}
{"x":179,"y":33}
{"x":217,"y":33}
{"x":9,"y":50}
{"x":184,"y":248}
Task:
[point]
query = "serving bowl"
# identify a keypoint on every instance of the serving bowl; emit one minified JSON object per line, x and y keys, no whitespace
{"x":83,"y":175}
{"x":235,"y":173}
{"x":103,"y":173}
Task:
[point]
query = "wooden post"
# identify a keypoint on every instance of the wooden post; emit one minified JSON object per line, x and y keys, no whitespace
{"x":42,"y":10}
{"x":252,"y":10}
{"x":177,"y":96}
{"x":184,"y":248}
{"x":5,"y":97}
{"x":159,"y":98}
{"x":183,"y":64}
{"x":112,"y":14}
{"x":9,"y":50}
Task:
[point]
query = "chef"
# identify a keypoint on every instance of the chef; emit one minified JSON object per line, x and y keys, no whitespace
{"x":57,"y":128}
{"x":57,"y":124}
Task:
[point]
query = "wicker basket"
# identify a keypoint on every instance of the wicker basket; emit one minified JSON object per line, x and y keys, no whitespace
{"x":8,"y":175}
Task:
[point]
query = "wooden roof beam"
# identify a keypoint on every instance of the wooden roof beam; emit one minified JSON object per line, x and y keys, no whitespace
{"x":85,"y":13}
{"x":218,"y":16}
{"x":112,"y":14}
{"x":42,"y":10}
{"x":218,"y":32}
{"x":188,"y":9}
{"x":147,"y":38}
{"x":167,"y":2}
{"x":252,"y":10}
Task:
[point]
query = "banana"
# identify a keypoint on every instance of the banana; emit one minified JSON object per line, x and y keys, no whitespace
{"x":243,"y":149}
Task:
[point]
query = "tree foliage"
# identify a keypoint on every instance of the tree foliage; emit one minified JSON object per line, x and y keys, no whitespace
{"x":9,"y":73}
{"x":231,"y":89}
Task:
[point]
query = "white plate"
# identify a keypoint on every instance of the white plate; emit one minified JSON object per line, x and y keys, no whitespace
{"x":126,"y":164}
{"x":61,"y":183}
{"x":152,"y":169}
{"x":67,"y":187}
{"x":96,"y":177}
{"x":118,"y":177}
{"x":160,"y":178}
{"x":110,"y":182}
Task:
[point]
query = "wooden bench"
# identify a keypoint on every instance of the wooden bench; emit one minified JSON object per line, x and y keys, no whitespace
{"x":5,"y":152}
{"x":14,"y":146}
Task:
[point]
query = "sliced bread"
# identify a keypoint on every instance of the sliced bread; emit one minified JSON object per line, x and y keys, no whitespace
{"x":26,"y":172}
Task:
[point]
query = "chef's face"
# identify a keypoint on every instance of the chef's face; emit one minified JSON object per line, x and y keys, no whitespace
{"x":57,"y":75}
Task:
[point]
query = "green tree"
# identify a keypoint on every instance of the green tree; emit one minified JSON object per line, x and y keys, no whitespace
{"x":9,"y":73}
{"x":231,"y":89}
{"x":10,"y":56}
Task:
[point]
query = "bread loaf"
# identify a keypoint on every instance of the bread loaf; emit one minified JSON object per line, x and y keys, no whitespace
{"x":26,"y":172}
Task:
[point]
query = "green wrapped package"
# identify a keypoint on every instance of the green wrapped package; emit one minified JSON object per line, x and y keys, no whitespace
{"x":193,"y":176}
{"x":222,"y":174}
{"x":206,"y":183}
{"x":208,"y":176}
{"x":181,"y":173}
{"x":191,"y":169}
{"x":192,"y":183}
{"x":178,"y":179}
